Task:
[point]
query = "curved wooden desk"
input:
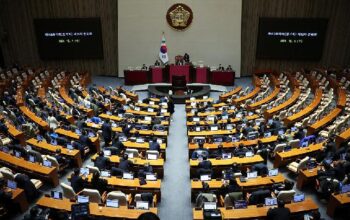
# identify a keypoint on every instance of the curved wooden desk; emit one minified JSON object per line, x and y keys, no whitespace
{"x":254,"y":212}
{"x":122,"y":212}
{"x":95,"y":140}
{"x":225,"y":96}
{"x":33,"y":169}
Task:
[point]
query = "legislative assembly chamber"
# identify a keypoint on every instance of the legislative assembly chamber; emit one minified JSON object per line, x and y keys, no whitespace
{"x":174,"y":110}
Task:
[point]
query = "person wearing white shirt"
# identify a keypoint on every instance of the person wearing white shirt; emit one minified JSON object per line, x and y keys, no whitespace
{"x":52,"y":121}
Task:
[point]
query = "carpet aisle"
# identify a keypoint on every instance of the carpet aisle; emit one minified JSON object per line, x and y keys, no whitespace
{"x":176,"y":188}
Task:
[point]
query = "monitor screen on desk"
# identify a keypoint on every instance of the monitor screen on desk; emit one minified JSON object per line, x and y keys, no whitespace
{"x":345,"y":188}
{"x":273,"y":172}
{"x":47,"y":163}
{"x":214,"y":128}
{"x":249,"y":154}
{"x":137,"y":108}
{"x":31,"y":158}
{"x":267,"y":134}
{"x":148,"y":118}
{"x":5,"y":149}
{"x":226,"y":155}
{"x":77,"y":131}
{"x":281,"y":132}
{"x":105,"y":173}
{"x":107,"y":153}
{"x":229,"y":127}
{"x":11,"y":184}
{"x":143,"y":205}
{"x":128,"y":176}
{"x":56,"y":195}
{"x":114,"y":203}
{"x":17,"y":154}
{"x":240,"y":204}
{"x":70,"y":147}
{"x":239,"y":115}
{"x":270,"y":201}
{"x":305,"y":144}
{"x":196,"y":119}
{"x":198,"y":128}
{"x":53,"y":142}
{"x":205,"y":177}
{"x":80,"y":211}
{"x":209,"y":206}
{"x":91,"y":134}
{"x":252,"y":175}
{"x":293,"y":129}
{"x":150,"y":110}
{"x":210,"y":118}
{"x":159,"y":141}
{"x":152,"y":157}
{"x":151,"y":177}
{"x":139,"y":140}
{"x":83,"y":199}
{"x":39,"y":138}
{"x":299,"y":197}
{"x":224,"y":117}
{"x":84,"y":171}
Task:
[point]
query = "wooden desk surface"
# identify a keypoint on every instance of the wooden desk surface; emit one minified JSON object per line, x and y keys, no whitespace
{"x":25,"y":110}
{"x":74,"y":135}
{"x":188,"y":101}
{"x":307,"y":110}
{"x":233,"y":144}
{"x":300,"y":151}
{"x":224,"y":162}
{"x":248,"y":96}
{"x":324,"y":121}
{"x":337,"y":201}
{"x":95,"y":210}
{"x":261,"y":181}
{"x":253,"y":212}
{"x":144,"y":145}
{"x":207,"y":133}
{"x":75,"y":154}
{"x":342,"y":137}
{"x":230,"y":120}
{"x":146,"y":113}
{"x":38,"y":169}
{"x":203,"y":114}
{"x":137,"y":161}
{"x":134,"y":183}
{"x":226,"y":95}
{"x":273,"y":95}
{"x":284,"y":105}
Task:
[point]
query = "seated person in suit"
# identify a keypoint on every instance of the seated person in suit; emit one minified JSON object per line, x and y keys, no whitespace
{"x":60,"y":159}
{"x":258,"y":196}
{"x":240,"y":150}
{"x":279,"y":213}
{"x":26,"y":184}
{"x":261,"y":168}
{"x":200,"y":152}
{"x":218,"y":153}
{"x":77,"y":182}
{"x":99,"y":183}
{"x":85,"y":140}
{"x":144,"y":67}
{"x":147,"y":169}
{"x":154,"y":145}
{"x":102,"y":162}
{"x":157,"y":63}
{"x":204,"y":167}
{"x":3,"y":127}
{"x":125,"y":164}
{"x":229,"y":186}
{"x":5,"y":196}
{"x":229,"y":68}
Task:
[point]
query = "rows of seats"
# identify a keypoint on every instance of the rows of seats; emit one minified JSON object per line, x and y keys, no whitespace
{"x":52,"y":123}
{"x":240,"y":145}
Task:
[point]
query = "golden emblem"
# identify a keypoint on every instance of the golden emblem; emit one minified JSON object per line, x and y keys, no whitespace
{"x":179,"y":16}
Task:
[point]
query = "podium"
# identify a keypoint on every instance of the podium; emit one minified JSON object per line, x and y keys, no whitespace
{"x":157,"y":74}
{"x":179,"y":71}
{"x":136,"y":77}
{"x":225,"y":78}
{"x":201,"y":75}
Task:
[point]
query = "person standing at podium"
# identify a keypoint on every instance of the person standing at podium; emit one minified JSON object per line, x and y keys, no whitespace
{"x":157,"y":63}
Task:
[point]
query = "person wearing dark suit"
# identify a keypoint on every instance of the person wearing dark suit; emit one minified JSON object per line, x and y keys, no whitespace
{"x":107,"y":132}
{"x":154,"y":145}
{"x":85,"y":140}
{"x":200,"y":152}
{"x":3,"y":127}
{"x":102,"y":162}
{"x":26,"y":184}
{"x":171,"y":106}
{"x":280,"y":212}
{"x":98,"y":183}
{"x":5,"y":196}
{"x":258,"y":196}
{"x":125,"y":164}
{"x":76,"y":181}
{"x":204,"y":167}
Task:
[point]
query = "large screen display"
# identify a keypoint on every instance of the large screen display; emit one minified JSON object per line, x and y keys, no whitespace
{"x":291,"y":38}
{"x":69,"y":38}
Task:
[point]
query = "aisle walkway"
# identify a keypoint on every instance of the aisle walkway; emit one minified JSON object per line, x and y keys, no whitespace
{"x":176,"y":188}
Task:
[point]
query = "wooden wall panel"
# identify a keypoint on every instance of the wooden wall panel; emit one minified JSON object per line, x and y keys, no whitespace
{"x":337,"y":44}
{"x":19,"y":41}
